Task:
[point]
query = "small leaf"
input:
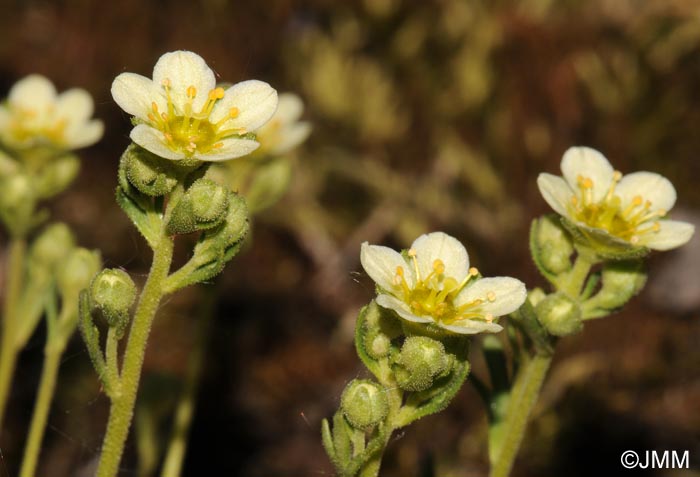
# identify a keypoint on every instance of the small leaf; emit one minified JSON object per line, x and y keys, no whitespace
{"x":142,"y":213}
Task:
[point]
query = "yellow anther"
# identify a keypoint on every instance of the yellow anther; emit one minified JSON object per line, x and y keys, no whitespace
{"x":491,"y":296}
{"x":587,"y":183}
{"x":637,"y":200}
{"x":168,"y":136}
{"x":191,"y":92}
{"x":634,"y":239}
{"x":233,"y":112}
{"x":216,"y":93}
{"x":473,"y":271}
{"x":154,"y":107}
{"x":399,"y":271}
{"x":488,"y":317}
{"x":617,"y":175}
{"x":656,"y":227}
{"x":218,"y":145}
{"x":438,"y":266}
{"x":412,"y":252}
{"x":166,"y":83}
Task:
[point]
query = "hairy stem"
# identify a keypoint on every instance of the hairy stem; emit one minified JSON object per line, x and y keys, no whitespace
{"x":522,"y":401}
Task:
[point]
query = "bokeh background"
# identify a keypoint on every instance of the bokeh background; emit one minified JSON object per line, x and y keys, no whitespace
{"x":428,"y":115}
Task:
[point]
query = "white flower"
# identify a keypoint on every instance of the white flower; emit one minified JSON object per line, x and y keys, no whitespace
{"x":625,"y":211}
{"x":35,"y":116}
{"x":284,"y":131}
{"x":436,"y":285}
{"x":184,"y":115}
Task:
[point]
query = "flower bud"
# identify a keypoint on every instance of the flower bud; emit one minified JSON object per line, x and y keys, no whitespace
{"x":56,"y":175}
{"x":377,"y":344}
{"x":420,"y":361}
{"x":16,"y":192}
{"x":536,"y":295}
{"x":52,"y":245}
{"x":150,"y":174}
{"x":364,"y":403}
{"x":559,"y":314}
{"x":235,"y":224}
{"x":76,"y":271}
{"x":620,"y":282}
{"x":112,"y":293}
{"x":203,"y":206}
{"x":553,"y":244}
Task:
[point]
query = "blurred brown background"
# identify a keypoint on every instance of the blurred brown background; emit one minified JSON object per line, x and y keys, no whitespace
{"x":427,"y":115}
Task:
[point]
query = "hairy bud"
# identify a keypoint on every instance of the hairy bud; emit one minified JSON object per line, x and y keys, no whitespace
{"x":420,"y":361}
{"x":112,"y":293}
{"x":364,"y":403}
{"x":559,"y":314}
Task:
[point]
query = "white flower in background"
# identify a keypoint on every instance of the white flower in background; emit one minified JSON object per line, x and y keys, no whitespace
{"x":436,"y":285}
{"x":35,"y":116}
{"x":284,"y":131}
{"x":182,"y":114}
{"x":626,"y":211}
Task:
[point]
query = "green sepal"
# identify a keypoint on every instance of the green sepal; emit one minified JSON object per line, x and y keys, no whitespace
{"x":327,"y":440}
{"x":148,"y":173}
{"x":204,"y":206}
{"x":142,"y":213}
{"x":604,"y":245}
{"x":526,"y":318}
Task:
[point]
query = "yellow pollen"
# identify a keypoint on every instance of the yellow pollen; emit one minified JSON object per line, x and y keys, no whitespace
{"x":637,"y":200}
{"x":491,"y":296}
{"x":166,"y":83}
{"x":488,"y":317}
{"x":412,"y":252}
{"x":191,"y":92}
{"x":473,"y":271}
{"x":154,"y":107}
{"x":216,"y":93}
{"x":233,"y":112}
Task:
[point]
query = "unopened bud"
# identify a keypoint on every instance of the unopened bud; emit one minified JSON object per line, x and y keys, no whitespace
{"x":52,"y":245}
{"x":15,"y":191}
{"x":203,"y":206}
{"x":620,"y":282}
{"x":364,"y":403}
{"x":559,"y":314}
{"x":420,"y":361}
{"x":56,"y":175}
{"x":76,"y":271}
{"x":553,"y":244}
{"x":112,"y":293}
{"x":148,"y":173}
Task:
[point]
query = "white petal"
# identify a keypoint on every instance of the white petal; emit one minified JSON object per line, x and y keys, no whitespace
{"x":289,"y":108}
{"x":673,"y":233}
{"x":393,"y":303}
{"x":35,"y":92}
{"x":650,"y":186}
{"x":472,"y":327}
{"x":587,"y":162}
{"x":135,"y":94}
{"x":153,"y":140}
{"x":381,"y":263}
{"x":85,"y":134}
{"x":439,"y":245}
{"x":556,"y":192}
{"x":232,"y":148}
{"x":184,"y":69}
{"x":256,"y":102}
{"x":74,"y":105}
{"x":510,"y":294}
{"x":291,"y":137}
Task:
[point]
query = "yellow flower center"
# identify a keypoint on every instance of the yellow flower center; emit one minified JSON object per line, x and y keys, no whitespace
{"x":188,"y":131}
{"x":28,"y":128}
{"x":628,"y":223}
{"x":434,"y":294}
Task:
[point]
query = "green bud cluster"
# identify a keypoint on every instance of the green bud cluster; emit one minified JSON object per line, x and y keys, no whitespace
{"x":112,"y":294}
{"x":203,"y":206}
{"x":364,"y":403}
{"x":420,"y":362}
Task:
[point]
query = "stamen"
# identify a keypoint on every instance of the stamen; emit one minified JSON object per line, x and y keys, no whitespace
{"x":191,"y":92}
{"x":491,"y":296}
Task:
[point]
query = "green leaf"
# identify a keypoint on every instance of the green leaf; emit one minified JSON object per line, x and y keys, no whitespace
{"x":142,"y":213}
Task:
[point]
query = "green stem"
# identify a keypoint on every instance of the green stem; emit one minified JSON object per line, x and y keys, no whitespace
{"x":521,"y":403}
{"x":177,"y":448}
{"x":371,"y":466}
{"x":122,"y":409}
{"x":8,"y":354}
{"x":52,"y":361}
{"x":576,"y":277}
